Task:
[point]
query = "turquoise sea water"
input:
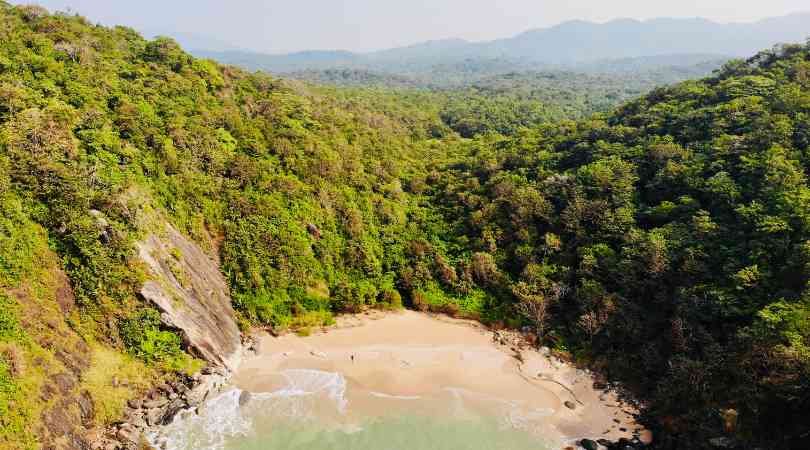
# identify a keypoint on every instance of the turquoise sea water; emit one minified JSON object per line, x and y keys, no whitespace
{"x":318,"y":411}
{"x":406,"y":433}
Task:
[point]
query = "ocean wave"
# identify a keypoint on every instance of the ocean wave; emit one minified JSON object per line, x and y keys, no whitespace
{"x":218,"y":420}
{"x":395,"y":397}
{"x":222,"y":419}
{"x":511,"y":414}
{"x":307,"y":382}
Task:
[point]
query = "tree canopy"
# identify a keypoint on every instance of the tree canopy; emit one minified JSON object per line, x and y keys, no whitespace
{"x":665,"y":244}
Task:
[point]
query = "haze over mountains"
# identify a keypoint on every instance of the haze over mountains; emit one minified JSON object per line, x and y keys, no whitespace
{"x":570,"y":44}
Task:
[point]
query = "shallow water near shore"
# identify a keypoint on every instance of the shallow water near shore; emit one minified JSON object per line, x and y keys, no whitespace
{"x":400,"y":434}
{"x":321,"y":418}
{"x":400,"y":381}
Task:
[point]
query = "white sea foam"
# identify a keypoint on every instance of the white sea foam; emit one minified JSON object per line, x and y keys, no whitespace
{"x":306,"y":382}
{"x":395,"y":397}
{"x":222,"y":422}
{"x":222,"y":419}
{"x":512,"y":414}
{"x":219,"y":419}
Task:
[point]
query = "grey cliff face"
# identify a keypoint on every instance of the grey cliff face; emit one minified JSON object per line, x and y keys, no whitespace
{"x":192,"y":295}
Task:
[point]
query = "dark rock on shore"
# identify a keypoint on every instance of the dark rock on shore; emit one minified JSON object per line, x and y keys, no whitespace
{"x":621,"y":444}
{"x":244,"y":398}
{"x":570,"y":405}
{"x":588,"y":444}
{"x":159,"y":408}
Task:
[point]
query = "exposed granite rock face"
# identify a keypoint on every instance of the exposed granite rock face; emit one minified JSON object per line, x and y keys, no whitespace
{"x":192,"y":295}
{"x":187,"y":287}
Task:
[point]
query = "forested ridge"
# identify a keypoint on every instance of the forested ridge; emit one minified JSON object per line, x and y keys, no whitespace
{"x":665,"y":244}
{"x":473,"y":98}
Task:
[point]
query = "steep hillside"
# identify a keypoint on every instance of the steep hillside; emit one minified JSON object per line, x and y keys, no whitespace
{"x":668,"y":244}
{"x":108,"y":144}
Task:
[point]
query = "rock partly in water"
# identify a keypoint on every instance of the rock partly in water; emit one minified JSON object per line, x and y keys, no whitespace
{"x":172,"y":410}
{"x":160,"y":407}
{"x":244,"y":398}
{"x":205,"y":385}
{"x":154,"y":417}
{"x":188,"y":288}
{"x":588,"y":444}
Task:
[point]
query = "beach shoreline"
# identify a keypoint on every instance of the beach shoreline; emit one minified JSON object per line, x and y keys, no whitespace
{"x":405,"y":361}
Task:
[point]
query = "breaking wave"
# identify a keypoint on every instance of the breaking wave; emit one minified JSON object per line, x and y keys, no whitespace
{"x":394,"y":397}
{"x":298,"y":413}
{"x":218,"y":420}
{"x":222,"y":418}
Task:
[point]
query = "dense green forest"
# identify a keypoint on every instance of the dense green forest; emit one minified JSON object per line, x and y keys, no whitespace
{"x":477,"y":98}
{"x":666,"y":244}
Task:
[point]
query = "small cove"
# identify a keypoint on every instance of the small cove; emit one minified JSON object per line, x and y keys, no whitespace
{"x":399,"y":381}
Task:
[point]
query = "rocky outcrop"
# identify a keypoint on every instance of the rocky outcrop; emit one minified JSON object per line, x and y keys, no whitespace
{"x":187,"y":287}
{"x":159,"y":407}
{"x":191,"y":293}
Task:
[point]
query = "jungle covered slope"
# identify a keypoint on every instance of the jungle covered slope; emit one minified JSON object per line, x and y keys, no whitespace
{"x":474,"y":99}
{"x":667,"y":243}
{"x":104,"y":136}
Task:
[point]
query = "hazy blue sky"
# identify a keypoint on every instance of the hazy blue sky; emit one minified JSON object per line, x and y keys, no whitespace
{"x":288,"y":25}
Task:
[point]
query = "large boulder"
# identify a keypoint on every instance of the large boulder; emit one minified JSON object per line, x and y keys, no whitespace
{"x":191,"y":293}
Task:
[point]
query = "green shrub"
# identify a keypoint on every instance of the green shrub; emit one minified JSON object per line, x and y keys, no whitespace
{"x":9,"y":324}
{"x":15,"y":412}
{"x":390,"y":299}
{"x":145,"y":337}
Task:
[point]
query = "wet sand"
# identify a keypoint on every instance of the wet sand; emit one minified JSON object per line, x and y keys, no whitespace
{"x":412,"y":363}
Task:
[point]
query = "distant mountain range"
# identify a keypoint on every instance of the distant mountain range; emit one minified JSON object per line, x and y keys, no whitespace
{"x":655,"y":42}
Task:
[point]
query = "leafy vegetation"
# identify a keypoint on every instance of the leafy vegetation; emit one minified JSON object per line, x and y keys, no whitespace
{"x":483,"y":100}
{"x":144,"y":337}
{"x":666,"y":244}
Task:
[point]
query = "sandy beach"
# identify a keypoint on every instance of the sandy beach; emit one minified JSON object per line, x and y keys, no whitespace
{"x":413,"y":363}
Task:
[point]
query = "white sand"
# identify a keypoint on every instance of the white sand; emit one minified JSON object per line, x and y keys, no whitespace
{"x":412,"y":363}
